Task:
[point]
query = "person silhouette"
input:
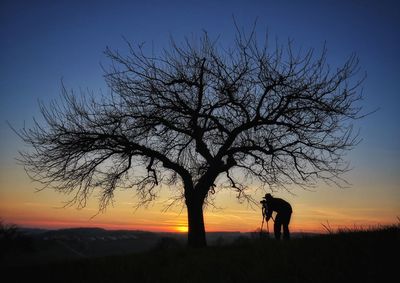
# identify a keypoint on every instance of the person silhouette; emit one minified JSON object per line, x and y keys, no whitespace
{"x":284,"y":212}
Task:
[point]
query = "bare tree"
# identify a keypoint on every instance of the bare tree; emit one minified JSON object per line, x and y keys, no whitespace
{"x":197,"y":112}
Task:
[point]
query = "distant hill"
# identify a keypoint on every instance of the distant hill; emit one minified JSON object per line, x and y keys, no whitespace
{"x":45,"y":246}
{"x":32,"y":231}
{"x":94,"y":234}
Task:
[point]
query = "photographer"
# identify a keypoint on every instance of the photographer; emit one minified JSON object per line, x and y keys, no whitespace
{"x":282,"y":219}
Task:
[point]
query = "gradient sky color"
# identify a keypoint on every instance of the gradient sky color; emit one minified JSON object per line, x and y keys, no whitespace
{"x":44,"y":42}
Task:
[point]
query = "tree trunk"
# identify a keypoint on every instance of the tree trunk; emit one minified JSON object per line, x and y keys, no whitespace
{"x":197,"y":232}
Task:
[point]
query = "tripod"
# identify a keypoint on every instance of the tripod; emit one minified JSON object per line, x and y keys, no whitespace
{"x":262,"y":224}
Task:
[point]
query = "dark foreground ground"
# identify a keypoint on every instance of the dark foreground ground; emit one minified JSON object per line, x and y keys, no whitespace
{"x":356,"y":256}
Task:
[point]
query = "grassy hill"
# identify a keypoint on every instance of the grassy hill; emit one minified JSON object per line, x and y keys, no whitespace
{"x":353,"y":256}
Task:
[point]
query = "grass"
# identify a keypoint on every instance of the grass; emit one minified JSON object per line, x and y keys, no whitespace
{"x":346,"y":256}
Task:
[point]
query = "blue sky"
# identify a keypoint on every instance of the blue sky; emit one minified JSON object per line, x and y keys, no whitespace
{"x":43,"y":42}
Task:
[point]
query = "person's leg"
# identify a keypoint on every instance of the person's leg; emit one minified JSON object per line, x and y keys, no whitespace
{"x":277,"y":227}
{"x":285,"y":222}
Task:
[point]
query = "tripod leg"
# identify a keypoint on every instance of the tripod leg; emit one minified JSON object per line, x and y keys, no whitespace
{"x":262,"y":224}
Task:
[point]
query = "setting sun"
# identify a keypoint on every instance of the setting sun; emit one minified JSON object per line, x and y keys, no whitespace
{"x":182,"y":229}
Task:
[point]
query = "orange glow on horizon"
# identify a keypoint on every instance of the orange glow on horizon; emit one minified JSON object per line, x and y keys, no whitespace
{"x":182,"y":229}
{"x":311,"y":211}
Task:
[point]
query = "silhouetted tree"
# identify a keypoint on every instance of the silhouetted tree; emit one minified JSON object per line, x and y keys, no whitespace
{"x":197,"y":112}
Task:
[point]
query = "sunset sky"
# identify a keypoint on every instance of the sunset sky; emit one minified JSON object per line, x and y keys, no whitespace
{"x":44,"y":42}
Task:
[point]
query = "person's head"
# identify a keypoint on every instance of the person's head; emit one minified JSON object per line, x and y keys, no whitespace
{"x":268,"y":196}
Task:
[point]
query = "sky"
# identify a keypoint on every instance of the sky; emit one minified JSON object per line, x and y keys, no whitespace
{"x":46,"y":42}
